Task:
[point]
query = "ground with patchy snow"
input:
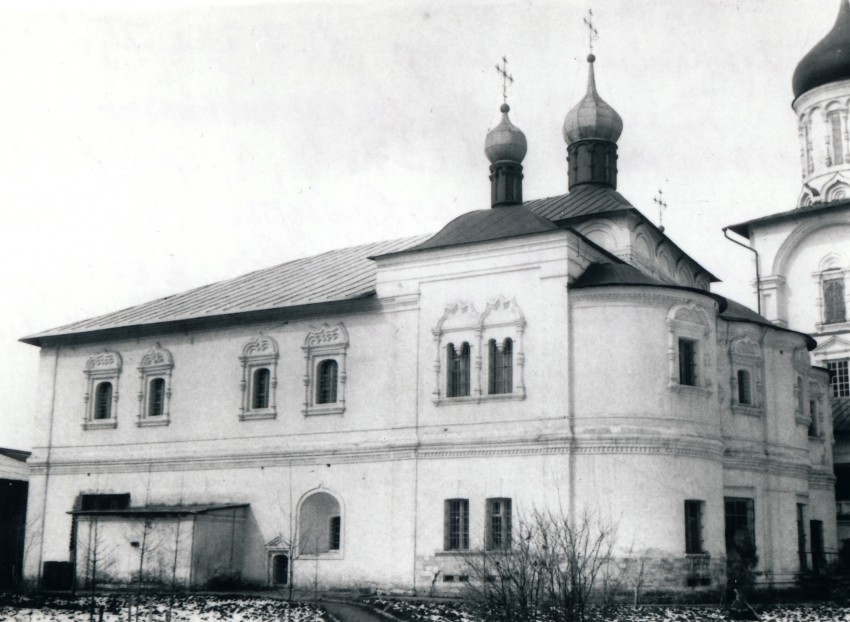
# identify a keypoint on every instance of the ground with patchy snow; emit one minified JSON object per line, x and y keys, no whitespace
{"x":149,"y":609}
{"x":418,"y":611}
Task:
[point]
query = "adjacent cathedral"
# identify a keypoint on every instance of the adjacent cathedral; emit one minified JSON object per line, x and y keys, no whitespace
{"x":368,"y":417}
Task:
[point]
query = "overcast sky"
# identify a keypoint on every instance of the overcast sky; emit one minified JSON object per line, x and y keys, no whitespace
{"x":150,"y":148}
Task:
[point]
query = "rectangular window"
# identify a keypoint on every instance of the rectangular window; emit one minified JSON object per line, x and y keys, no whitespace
{"x":457,"y":384}
{"x":818,"y":557}
{"x":801,"y":537}
{"x":335,"y":533}
{"x":740,"y":525}
{"x":498,"y":534}
{"x":837,"y":142}
{"x":813,"y":416}
{"x":501,"y":367}
{"x":693,"y":526}
{"x":745,"y":396}
{"x":840,"y":379}
{"x":687,"y":362}
{"x":456,"y":535}
{"x":105,"y":502}
{"x":834,"y":311}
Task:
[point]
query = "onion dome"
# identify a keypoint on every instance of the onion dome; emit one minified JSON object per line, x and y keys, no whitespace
{"x":505,"y":141}
{"x":829,"y":60}
{"x":592,"y":118}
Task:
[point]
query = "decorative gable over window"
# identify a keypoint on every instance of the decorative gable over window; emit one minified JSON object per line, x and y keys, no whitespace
{"x":155,"y":387}
{"x":259,"y":378}
{"x":101,"y":399}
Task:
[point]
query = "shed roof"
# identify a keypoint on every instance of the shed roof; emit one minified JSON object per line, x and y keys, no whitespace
{"x":162,"y":510}
{"x":743,"y":228}
{"x":841,"y":415}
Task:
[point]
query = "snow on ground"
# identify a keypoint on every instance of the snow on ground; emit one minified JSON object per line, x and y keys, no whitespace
{"x":186,"y":609}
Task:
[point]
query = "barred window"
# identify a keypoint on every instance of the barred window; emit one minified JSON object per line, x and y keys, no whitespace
{"x":335,"y":536}
{"x":693,"y":527}
{"x":156,"y":398}
{"x":840,"y":380}
{"x":833,"y":302}
{"x":326,"y":388}
{"x":498,"y":534}
{"x":103,"y":401}
{"x":687,"y":362}
{"x":457,"y":384}
{"x":456,"y":533}
{"x":745,"y":395}
{"x":260,"y":388}
{"x":501,"y":367}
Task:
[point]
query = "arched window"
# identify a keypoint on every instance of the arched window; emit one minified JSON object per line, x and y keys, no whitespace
{"x":156,"y":398}
{"x":457,"y":364}
{"x":103,"y":401}
{"x":320,"y":525}
{"x":836,"y":134}
{"x":260,"y":388}
{"x":326,"y":387}
{"x":834,"y":310}
{"x":501,"y":367}
{"x":745,"y":395}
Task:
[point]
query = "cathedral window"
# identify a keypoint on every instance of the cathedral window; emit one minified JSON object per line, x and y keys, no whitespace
{"x":834,"y":310}
{"x":745,"y":396}
{"x":155,"y":387}
{"x":747,"y":363}
{"x":693,"y":527}
{"x":457,"y":364}
{"x":101,"y":399}
{"x":839,"y":383}
{"x":500,"y":373}
{"x":259,"y":378}
{"x":687,"y":362}
{"x":325,"y":376}
{"x":498,"y":535}
{"x":836,"y":136}
{"x":326,"y":387}
{"x":456,"y":534}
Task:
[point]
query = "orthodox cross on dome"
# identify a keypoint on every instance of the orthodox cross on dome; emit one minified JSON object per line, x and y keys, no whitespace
{"x":592,"y":33}
{"x":506,"y":78}
{"x":659,"y":202}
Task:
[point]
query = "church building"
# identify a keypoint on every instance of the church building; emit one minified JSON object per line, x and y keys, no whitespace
{"x":369,"y":416}
{"x":803,"y":254}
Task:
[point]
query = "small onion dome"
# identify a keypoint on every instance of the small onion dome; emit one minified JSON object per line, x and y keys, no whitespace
{"x":592,"y":117}
{"x":505,"y":141}
{"x":829,"y":60}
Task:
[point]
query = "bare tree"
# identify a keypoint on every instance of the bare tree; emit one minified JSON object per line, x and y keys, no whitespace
{"x":97,"y":559}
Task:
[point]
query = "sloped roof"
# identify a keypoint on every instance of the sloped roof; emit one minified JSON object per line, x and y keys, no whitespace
{"x":488,"y":224}
{"x":743,"y":228}
{"x":841,"y":414}
{"x":736,"y":312}
{"x":162,"y":510}
{"x":583,"y":200}
{"x":343,"y":274}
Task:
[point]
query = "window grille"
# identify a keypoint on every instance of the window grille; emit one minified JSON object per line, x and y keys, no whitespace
{"x":499,"y":524}
{"x":840,"y":380}
{"x":458,"y":370}
{"x":103,"y":401}
{"x":335,"y":536}
{"x":326,"y":389}
{"x":687,"y":362}
{"x":745,"y":395}
{"x":835,"y":311}
{"x":501,"y":367}
{"x":260,"y":389}
{"x":693,"y":527}
{"x":457,"y":525}
{"x":156,"y":398}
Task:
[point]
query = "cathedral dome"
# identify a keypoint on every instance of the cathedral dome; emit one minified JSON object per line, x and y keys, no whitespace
{"x":505,"y":141}
{"x":592,"y":117}
{"x":829,"y":60}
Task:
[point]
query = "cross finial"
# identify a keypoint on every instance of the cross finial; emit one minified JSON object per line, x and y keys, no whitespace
{"x":659,"y":201}
{"x":592,"y":33}
{"x":506,"y":78}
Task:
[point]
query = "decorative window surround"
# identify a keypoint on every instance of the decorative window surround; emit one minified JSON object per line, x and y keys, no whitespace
{"x":688,"y":321}
{"x":833,"y":267}
{"x":103,"y":367}
{"x":323,"y":344}
{"x":746,"y":355}
{"x":157,"y":363}
{"x":260,"y":352}
{"x":501,"y":319}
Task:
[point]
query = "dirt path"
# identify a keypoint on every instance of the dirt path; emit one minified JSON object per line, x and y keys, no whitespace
{"x":345,"y":612}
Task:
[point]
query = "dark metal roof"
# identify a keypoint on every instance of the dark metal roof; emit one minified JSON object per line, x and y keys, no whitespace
{"x":736,"y":312}
{"x":344,"y":274}
{"x":581,"y":201}
{"x":743,"y":228}
{"x":841,"y":414}
{"x":622,"y":274}
{"x":162,"y":510}
{"x":15,"y":454}
{"x":829,"y":60}
{"x":488,"y":224}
